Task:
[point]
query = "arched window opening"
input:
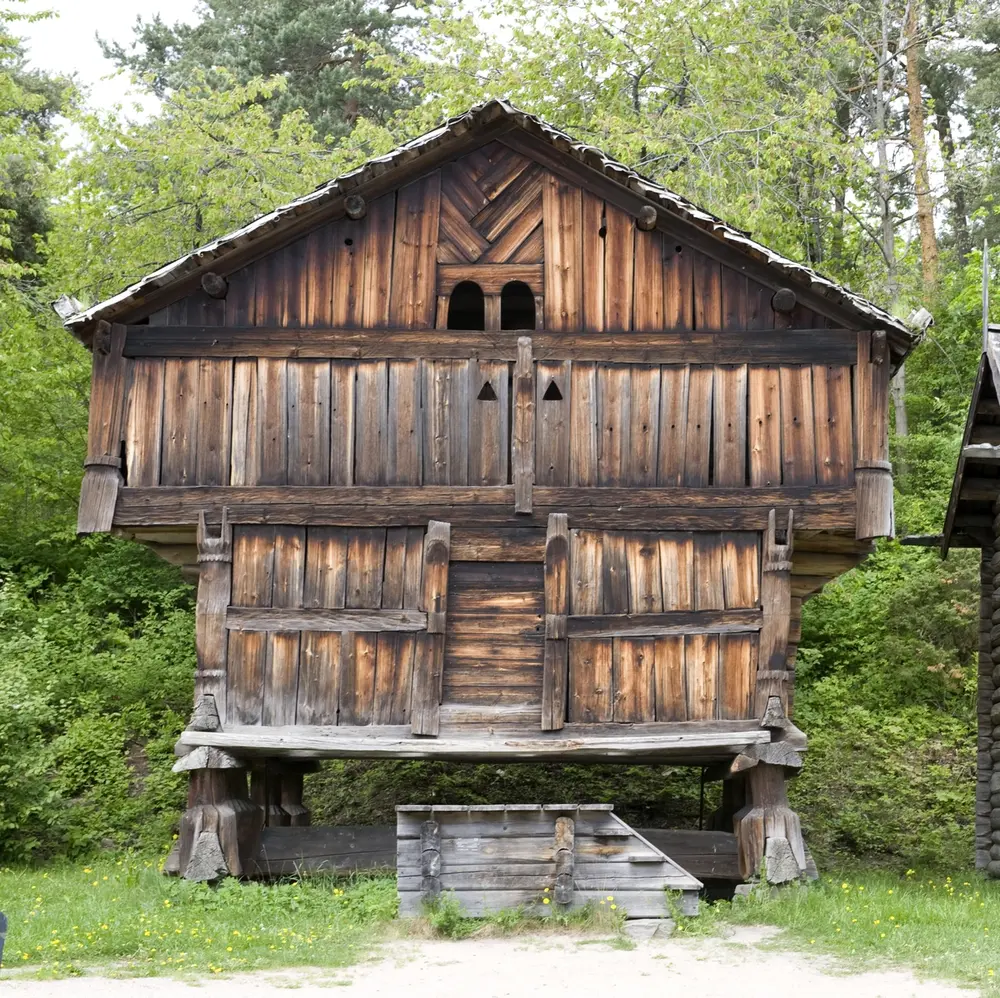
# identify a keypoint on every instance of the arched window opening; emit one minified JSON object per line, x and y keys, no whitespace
{"x":466,"y":307}
{"x":517,"y":306}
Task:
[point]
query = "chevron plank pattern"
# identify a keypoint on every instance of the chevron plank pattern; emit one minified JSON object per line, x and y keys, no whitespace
{"x":491,"y":208}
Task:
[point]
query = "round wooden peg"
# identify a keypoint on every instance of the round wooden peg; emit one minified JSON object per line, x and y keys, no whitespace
{"x":646,"y":219}
{"x":783,"y":300}
{"x":214,"y":285}
{"x":355,"y":206}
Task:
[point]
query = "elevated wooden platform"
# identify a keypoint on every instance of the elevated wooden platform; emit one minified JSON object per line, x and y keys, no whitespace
{"x":681,"y":741}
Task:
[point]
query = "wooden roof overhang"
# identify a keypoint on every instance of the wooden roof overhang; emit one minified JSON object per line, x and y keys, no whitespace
{"x":976,"y":486}
{"x":575,"y":161}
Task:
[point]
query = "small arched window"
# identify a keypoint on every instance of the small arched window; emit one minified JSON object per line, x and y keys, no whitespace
{"x":467,"y":307}
{"x":517,"y":306}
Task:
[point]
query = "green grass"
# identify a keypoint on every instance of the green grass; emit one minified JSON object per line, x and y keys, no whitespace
{"x":940,"y":926}
{"x":123,"y":915}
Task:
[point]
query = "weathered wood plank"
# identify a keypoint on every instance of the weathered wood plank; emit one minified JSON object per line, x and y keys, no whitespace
{"x":276,"y":619}
{"x":666,"y":623}
{"x":698,"y":435}
{"x":678,"y":286}
{"x":393,"y":678}
{"x":590,"y":680}
{"x":708,"y":583}
{"x":594,"y":238}
{"x":677,"y":571}
{"x":371,"y":421}
{"x":244,"y":465}
{"x":144,"y":424}
{"x":587,"y":568}
{"x":669,"y":690}
{"x":365,"y":560}
{"x":672,"y":444}
{"x":701,"y":666}
{"x":215,"y":387}
{"x":645,"y":594}
{"x":632,"y":666}
{"x":326,"y":568}
{"x":343,"y":391}
{"x":253,"y":569}
{"x":412,"y":299}
{"x":180,"y":423}
{"x":707,"y":293}
{"x":614,"y":424}
{"x":516,"y":544}
{"x":583,"y":432}
{"x":319,"y":678}
{"x":765,"y":427}
{"x":615,"y":573}
{"x":272,"y":417}
{"x":428,"y":665}
{"x":798,"y":440}
{"x":552,"y":423}
{"x":730,"y":426}
{"x":446,"y":422}
{"x":404,"y":431}
{"x":357,"y":678}
{"x":737,"y":667}
{"x":644,"y":426}
{"x":562,"y":213}
{"x":649,"y":291}
{"x":308,"y":423}
{"x":489,"y":423}
{"x":834,"y":427}
{"x":523,"y":433}
{"x":377,"y":265}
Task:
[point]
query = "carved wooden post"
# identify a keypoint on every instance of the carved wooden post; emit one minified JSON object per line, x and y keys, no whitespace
{"x":556,"y":663}
{"x":523,"y":452}
{"x":773,"y":678}
{"x":102,"y":477}
{"x":215,"y":558}
{"x":873,"y":471}
{"x":768,"y":830}
{"x":220,"y":830}
{"x":430,"y":859}
{"x":565,"y":860}
{"x":291,"y":777}
{"x":265,"y":792}
{"x":428,"y":662}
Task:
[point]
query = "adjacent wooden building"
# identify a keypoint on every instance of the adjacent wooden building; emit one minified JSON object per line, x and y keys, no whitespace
{"x":491,"y":449}
{"x":973,"y":521}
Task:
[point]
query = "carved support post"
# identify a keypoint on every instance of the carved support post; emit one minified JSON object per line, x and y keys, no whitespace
{"x":565,"y":860}
{"x":556,"y":662}
{"x":523,"y":437}
{"x":773,"y":677}
{"x":265,"y":792}
{"x":430,"y":860}
{"x":220,"y":830}
{"x":768,"y":833}
{"x":215,"y":558}
{"x":872,"y":470}
{"x":428,"y":661}
{"x":102,"y":477}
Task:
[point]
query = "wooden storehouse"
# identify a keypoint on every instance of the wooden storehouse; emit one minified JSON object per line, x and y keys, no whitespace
{"x":491,"y":449}
{"x":973,"y":521}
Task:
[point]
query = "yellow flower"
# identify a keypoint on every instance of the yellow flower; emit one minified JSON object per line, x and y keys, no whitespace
{"x":546,"y":890}
{"x":614,"y":907}
{"x":87,"y":869}
{"x":546,"y":901}
{"x":610,"y":897}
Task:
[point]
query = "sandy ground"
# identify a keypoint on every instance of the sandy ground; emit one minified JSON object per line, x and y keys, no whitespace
{"x":512,"y":968}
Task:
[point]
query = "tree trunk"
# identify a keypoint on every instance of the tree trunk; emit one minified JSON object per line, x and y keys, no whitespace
{"x":956,"y":190}
{"x":918,"y":142}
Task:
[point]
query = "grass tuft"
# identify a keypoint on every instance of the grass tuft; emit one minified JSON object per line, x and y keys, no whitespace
{"x":123,"y":912}
{"x":940,"y":926}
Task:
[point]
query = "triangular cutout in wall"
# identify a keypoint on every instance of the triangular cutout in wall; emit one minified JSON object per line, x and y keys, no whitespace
{"x":552,"y":393}
{"x":487,"y":394}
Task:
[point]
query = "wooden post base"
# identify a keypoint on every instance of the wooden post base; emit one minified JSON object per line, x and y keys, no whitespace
{"x":768,"y":832}
{"x":277,"y":788}
{"x":220,"y":830}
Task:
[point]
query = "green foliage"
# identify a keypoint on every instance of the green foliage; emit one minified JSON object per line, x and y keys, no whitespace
{"x":96,"y":667}
{"x":123,"y":911}
{"x":327,"y":52}
{"x":940,"y":926}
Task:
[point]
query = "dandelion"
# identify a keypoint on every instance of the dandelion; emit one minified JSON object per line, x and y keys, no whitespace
{"x":546,"y":901}
{"x":614,"y":907}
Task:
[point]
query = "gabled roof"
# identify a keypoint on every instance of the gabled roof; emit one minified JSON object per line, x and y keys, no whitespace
{"x":976,"y":486}
{"x":430,"y":149}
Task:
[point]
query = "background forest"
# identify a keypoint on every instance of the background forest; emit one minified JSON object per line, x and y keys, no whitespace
{"x":859,"y":137}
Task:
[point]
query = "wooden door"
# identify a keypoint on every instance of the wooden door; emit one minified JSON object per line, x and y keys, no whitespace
{"x":495,"y":643}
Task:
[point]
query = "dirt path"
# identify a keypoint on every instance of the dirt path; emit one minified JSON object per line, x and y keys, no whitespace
{"x":524,"y":967}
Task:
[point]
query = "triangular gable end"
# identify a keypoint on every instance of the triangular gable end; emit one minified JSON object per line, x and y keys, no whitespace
{"x":502,"y":156}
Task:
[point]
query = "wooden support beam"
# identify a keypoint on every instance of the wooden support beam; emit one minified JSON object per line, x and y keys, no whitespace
{"x":556,"y":662}
{"x":248,"y":618}
{"x":704,"y":346}
{"x":776,"y":610}
{"x":215,"y":575}
{"x":988,"y":453}
{"x":767,"y":828}
{"x":102,"y":476}
{"x":623,"y":625}
{"x":523,"y":452}
{"x":428,"y":663}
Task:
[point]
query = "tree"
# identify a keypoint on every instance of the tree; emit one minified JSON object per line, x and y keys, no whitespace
{"x":327,"y":51}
